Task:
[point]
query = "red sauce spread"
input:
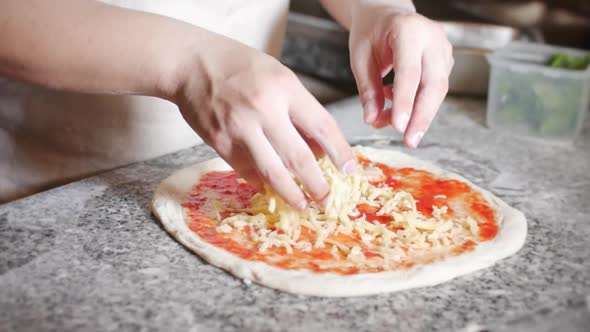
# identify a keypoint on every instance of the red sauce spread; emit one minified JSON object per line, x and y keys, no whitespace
{"x":216,"y":192}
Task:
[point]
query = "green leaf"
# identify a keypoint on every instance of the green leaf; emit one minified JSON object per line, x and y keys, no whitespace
{"x":565,"y":61}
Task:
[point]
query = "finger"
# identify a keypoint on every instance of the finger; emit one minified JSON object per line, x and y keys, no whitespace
{"x":433,"y":89}
{"x":241,"y":162}
{"x":272,"y":170}
{"x":249,"y":173}
{"x":315,"y":147}
{"x":367,"y":74}
{"x":313,"y":119}
{"x":297,"y":156}
{"x":407,"y":68}
{"x":251,"y":176}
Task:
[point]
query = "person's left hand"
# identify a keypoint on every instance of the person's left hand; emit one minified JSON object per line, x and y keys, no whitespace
{"x":384,"y":36}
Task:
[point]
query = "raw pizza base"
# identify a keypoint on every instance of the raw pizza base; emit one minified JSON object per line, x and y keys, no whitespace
{"x":175,"y":190}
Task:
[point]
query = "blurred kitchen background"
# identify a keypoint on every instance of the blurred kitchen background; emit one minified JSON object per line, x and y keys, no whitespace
{"x":316,"y":46}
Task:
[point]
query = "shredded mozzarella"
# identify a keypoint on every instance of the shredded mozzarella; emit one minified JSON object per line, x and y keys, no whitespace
{"x":272,"y":222}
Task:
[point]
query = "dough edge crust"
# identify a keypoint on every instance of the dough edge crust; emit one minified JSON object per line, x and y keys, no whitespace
{"x":174,"y":190}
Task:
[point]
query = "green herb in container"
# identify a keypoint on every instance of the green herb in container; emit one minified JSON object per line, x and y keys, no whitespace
{"x":539,"y":90}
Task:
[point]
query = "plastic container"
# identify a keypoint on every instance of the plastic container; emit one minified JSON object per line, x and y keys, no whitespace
{"x":527,"y":97}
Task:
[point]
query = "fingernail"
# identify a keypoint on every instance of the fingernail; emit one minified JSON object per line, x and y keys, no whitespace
{"x":416,"y":138}
{"x":370,"y":111}
{"x":324,"y":201}
{"x":402,"y":122}
{"x":302,"y":205}
{"x":349,"y":167}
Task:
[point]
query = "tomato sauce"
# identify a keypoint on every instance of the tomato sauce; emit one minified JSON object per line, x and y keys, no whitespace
{"x":370,"y":213}
{"x":217,"y":192}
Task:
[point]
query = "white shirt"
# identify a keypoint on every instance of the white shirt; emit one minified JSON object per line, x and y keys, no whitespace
{"x":49,"y":137}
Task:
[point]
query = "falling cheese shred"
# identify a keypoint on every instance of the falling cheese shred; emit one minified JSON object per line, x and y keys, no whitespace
{"x":271,"y":222}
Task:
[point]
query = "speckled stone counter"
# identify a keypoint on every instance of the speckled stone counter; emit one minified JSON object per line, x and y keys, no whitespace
{"x":89,"y":256}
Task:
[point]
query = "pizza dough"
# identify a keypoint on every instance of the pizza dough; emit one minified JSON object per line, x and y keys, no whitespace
{"x":174,"y":190}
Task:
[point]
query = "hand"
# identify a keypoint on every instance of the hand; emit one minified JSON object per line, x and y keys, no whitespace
{"x":245,"y":104}
{"x":384,"y":37}
{"x":258,"y":116}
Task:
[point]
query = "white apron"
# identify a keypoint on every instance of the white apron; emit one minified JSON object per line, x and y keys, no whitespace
{"x":48,"y":138}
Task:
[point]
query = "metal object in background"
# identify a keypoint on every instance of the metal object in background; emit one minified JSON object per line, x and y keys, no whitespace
{"x":318,"y":47}
{"x":562,"y":22}
{"x":471,"y":43}
{"x":524,"y":14}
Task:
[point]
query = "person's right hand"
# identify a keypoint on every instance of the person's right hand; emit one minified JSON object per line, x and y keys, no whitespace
{"x":243,"y":103}
{"x":260,"y":119}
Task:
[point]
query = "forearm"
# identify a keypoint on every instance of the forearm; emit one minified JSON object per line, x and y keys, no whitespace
{"x":341,"y":10}
{"x":87,"y":46}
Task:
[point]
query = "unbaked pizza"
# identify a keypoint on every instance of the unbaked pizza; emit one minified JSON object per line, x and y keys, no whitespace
{"x":396,"y":223}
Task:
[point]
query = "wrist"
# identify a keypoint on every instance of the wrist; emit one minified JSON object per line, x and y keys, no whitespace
{"x":204,"y":58}
{"x":183,"y":72}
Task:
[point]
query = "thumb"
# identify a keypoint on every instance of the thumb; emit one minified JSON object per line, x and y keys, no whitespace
{"x":368,"y":80}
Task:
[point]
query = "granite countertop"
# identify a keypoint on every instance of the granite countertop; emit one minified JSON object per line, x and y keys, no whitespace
{"x":89,"y":255}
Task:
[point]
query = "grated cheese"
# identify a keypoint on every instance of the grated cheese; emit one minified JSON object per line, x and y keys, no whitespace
{"x":273,"y":223}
